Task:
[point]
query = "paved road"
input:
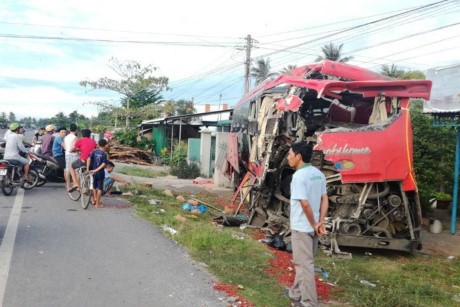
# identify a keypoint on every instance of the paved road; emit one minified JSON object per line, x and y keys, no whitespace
{"x":63,"y":255}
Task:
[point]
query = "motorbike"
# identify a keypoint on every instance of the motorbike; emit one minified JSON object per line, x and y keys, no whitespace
{"x":47,"y":168}
{"x":11,"y":172}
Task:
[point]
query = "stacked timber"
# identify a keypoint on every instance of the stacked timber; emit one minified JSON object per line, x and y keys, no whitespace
{"x":126,"y":154}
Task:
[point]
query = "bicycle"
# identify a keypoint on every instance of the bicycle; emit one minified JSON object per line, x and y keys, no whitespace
{"x":85,"y":192}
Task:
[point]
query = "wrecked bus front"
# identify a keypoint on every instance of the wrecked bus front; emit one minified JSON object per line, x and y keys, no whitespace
{"x":362,"y":140}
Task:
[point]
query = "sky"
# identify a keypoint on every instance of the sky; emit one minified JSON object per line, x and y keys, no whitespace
{"x":47,"y":47}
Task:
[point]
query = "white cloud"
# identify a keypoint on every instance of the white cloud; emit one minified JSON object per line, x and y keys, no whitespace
{"x":44,"y":102}
{"x":69,"y":62}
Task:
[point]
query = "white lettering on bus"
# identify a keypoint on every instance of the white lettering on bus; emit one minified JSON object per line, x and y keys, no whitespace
{"x":345,"y":150}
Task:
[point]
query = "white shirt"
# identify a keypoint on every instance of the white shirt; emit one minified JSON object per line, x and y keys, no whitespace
{"x":307,"y":183}
{"x":13,"y":146}
{"x":69,"y":142}
{"x":7,"y":133}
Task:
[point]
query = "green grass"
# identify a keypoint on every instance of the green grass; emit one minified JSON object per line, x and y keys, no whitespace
{"x":401,"y":279}
{"x":140,"y":172}
{"x":231,"y":259}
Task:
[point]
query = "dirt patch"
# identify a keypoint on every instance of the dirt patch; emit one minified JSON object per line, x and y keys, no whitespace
{"x":445,"y":243}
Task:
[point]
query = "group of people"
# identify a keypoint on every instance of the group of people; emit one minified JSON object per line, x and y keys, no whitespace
{"x":70,"y":152}
{"x":308,"y":202}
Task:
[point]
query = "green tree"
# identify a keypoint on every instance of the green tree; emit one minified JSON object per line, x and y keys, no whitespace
{"x":184,"y":107}
{"x":262,"y":70}
{"x":391,"y":71}
{"x":60,"y":119}
{"x":413,"y":74}
{"x":135,"y":80}
{"x":169,"y":108}
{"x":3,"y":119}
{"x":334,"y":53}
{"x":287,"y":69}
{"x":142,"y":99}
{"x":12,"y":117}
{"x":434,"y":153}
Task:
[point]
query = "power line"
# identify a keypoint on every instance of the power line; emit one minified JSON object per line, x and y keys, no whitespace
{"x":357,"y":27}
{"x":189,"y":44}
{"x":113,"y":30}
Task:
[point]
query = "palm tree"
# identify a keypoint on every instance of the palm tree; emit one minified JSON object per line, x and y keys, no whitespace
{"x":391,"y":71}
{"x":333,"y":53}
{"x":262,"y":70}
{"x":287,"y":69}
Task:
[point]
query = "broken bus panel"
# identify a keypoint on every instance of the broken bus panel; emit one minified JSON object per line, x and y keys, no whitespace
{"x":359,"y":123}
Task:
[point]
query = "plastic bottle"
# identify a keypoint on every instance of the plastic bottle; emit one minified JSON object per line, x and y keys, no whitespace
{"x":367,"y":283}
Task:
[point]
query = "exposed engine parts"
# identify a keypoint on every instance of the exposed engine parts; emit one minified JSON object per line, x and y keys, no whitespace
{"x":358,"y":123}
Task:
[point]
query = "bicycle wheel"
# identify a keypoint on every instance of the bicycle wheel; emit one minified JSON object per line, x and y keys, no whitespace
{"x":74,"y":195}
{"x":33,"y":180}
{"x":86,"y":191}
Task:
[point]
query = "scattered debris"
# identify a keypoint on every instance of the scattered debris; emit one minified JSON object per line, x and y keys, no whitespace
{"x":241,"y":287}
{"x":169,"y":229}
{"x":200,"y":180}
{"x":130,"y":155}
{"x":180,"y":198}
{"x":127,"y":194}
{"x":367,"y":283}
{"x":180,"y":218}
{"x":168,"y":193}
{"x":155,"y":202}
{"x":230,"y":220}
{"x":237,"y":236}
{"x":450,"y":258}
{"x":195,"y":209}
{"x":206,"y":204}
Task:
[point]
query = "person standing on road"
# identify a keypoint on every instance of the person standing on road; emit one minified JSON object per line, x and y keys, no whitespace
{"x":96,"y":165}
{"x":13,"y":146}
{"x":309,"y":205}
{"x":70,"y":157}
{"x":58,"y":147}
{"x":47,"y":141}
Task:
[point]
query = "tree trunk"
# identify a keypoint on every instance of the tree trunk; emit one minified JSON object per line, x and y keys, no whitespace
{"x":127,"y":113}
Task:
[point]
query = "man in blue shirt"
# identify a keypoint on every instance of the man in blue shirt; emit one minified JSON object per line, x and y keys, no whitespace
{"x":96,"y":166}
{"x":58,"y":147}
{"x":309,"y":205}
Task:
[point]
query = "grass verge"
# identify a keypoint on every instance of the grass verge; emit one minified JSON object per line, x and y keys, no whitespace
{"x":140,"y":172}
{"x":232,"y":256}
{"x":400,"y":279}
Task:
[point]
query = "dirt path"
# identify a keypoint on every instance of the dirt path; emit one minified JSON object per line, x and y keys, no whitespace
{"x":444,"y":244}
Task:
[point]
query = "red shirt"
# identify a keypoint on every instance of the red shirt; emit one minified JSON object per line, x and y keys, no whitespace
{"x":86,"y":146}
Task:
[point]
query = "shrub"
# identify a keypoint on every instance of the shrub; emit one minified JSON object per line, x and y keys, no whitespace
{"x":145,"y":144}
{"x":184,"y":170}
{"x":440,"y":195}
{"x":127,"y":137}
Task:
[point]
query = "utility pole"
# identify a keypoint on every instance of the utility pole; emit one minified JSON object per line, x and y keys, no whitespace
{"x":247,"y":63}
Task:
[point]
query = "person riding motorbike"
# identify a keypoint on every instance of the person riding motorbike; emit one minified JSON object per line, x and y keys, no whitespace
{"x":47,"y":141}
{"x":13,"y":146}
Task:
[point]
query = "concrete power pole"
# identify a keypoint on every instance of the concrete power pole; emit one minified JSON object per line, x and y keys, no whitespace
{"x":247,"y":80}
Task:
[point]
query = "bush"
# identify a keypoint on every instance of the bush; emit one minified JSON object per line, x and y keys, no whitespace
{"x":184,"y":170}
{"x":440,"y":195}
{"x":145,"y":144}
{"x":178,"y":162}
{"x":127,"y":137}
